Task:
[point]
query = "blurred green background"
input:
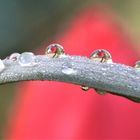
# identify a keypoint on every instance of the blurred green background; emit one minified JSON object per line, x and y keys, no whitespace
{"x":25,"y":25}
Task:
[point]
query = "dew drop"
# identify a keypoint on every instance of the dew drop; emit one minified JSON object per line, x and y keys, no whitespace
{"x":2,"y":66}
{"x":101,"y":55}
{"x":68,"y":71}
{"x":54,"y":50}
{"x":14,"y":56}
{"x":101,"y":92}
{"x":26,"y":59}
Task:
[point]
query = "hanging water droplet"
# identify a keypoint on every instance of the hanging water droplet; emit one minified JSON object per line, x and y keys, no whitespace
{"x":54,"y":50}
{"x":85,"y":88}
{"x":101,"y":92}
{"x":26,"y":59}
{"x":2,"y":66}
{"x":14,"y":56}
{"x":68,"y":70}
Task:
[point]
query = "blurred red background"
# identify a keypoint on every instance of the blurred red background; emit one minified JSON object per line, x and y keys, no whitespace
{"x":54,"y":110}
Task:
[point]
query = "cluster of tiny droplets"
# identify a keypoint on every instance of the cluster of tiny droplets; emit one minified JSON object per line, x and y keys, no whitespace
{"x":27,"y":59}
{"x":23,"y":59}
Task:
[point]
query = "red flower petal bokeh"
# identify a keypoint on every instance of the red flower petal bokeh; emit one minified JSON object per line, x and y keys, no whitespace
{"x":54,"y":110}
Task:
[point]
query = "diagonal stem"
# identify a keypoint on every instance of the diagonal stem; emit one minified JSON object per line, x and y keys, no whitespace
{"x":115,"y":78}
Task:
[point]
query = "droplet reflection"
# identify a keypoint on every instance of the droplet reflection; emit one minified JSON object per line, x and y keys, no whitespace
{"x":54,"y":50}
{"x":101,"y":55}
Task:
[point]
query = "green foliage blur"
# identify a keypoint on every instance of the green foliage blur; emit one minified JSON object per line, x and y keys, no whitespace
{"x":26,"y":25}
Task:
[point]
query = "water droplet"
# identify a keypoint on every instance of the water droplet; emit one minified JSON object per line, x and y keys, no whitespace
{"x":101,"y":92}
{"x":68,"y":70}
{"x":14,"y":56}
{"x":54,"y":50}
{"x":101,"y":55}
{"x":26,"y":59}
{"x":137,"y":65}
{"x":2,"y":66}
{"x":85,"y":88}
